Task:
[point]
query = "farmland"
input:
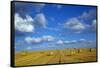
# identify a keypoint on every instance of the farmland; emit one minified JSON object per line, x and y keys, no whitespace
{"x":69,"y":55}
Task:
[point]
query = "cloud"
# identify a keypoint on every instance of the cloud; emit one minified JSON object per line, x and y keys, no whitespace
{"x":60,"y":42}
{"x":73,"y":41}
{"x":28,"y":24}
{"x":40,"y":20}
{"x":32,"y":40}
{"x":74,"y":24}
{"x":29,"y":18}
{"x":67,"y":41}
{"x":47,"y":38}
{"x":94,"y":25}
{"x":88,"y":15}
{"x":82,"y":39}
{"x":24,"y":25}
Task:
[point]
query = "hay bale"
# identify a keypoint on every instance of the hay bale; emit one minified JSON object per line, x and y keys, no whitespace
{"x":50,"y":54}
{"x":73,"y":52}
{"x":85,"y":50}
{"x":93,"y":50}
{"x":23,"y":54}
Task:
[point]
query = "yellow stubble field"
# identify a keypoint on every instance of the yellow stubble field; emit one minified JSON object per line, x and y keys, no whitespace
{"x":69,"y":55}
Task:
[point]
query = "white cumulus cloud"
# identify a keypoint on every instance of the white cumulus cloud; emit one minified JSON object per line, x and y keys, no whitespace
{"x":32,"y":40}
{"x":74,"y":24}
{"x":47,"y":38}
{"x":24,"y":25}
{"x":40,"y":20}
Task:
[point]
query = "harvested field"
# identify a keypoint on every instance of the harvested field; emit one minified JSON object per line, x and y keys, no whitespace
{"x":55,"y":56}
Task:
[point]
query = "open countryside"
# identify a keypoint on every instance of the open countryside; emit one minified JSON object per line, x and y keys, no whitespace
{"x":55,"y":56}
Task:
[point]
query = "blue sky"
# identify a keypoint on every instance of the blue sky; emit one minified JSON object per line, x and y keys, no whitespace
{"x":40,"y":26}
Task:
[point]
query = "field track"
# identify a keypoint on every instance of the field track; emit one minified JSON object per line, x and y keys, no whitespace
{"x":55,"y":56}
